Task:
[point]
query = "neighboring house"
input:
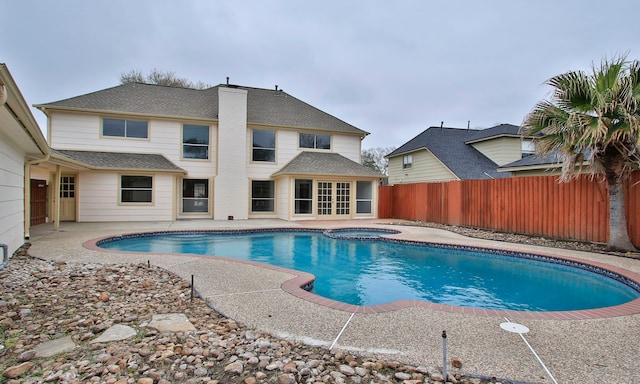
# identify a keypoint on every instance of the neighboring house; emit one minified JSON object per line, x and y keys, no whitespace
{"x":445,"y":154}
{"x":534,"y":165}
{"x":21,"y":144}
{"x":141,"y":152}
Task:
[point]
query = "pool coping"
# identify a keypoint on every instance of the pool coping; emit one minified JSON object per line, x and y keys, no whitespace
{"x":294,"y":286}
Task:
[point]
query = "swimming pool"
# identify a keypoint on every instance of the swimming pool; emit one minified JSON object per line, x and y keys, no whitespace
{"x":360,"y":268}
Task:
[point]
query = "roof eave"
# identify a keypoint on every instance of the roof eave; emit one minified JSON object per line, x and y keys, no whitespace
{"x":64,"y":160}
{"x":515,"y":136}
{"x":16,"y":101}
{"x":407,"y":152}
{"x":362,"y":133}
{"x":530,"y":167}
{"x":45,"y":107}
{"x":302,"y":174}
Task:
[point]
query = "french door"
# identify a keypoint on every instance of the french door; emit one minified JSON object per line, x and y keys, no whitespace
{"x":334,"y":199}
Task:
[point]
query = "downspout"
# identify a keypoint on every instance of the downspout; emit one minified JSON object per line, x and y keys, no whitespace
{"x":5,"y":247}
{"x":27,"y":192}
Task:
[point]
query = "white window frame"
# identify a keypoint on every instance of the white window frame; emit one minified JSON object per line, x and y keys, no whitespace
{"x":272,"y":199}
{"x":122,"y":189}
{"x":361,"y":199}
{"x":254,"y":148}
{"x":315,"y":141}
{"x":407,"y":161}
{"x":125,"y":135}
{"x":207,"y":145}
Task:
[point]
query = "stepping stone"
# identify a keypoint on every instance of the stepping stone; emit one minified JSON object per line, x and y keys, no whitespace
{"x":115,"y":333}
{"x":54,"y":347}
{"x":171,"y":322}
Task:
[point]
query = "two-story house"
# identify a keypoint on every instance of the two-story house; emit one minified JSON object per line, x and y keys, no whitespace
{"x":141,"y":152}
{"x":446,"y":154}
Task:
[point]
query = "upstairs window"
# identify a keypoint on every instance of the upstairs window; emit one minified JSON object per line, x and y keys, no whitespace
{"x":125,"y":128}
{"x":264,"y":146}
{"x":528,"y":148}
{"x":407,"y":161}
{"x":315,"y":141}
{"x":195,"y":141}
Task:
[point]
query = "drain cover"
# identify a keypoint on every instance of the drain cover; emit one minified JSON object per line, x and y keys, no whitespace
{"x":514,"y":327}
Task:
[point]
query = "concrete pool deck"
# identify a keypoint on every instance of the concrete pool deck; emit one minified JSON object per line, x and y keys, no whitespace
{"x":582,"y":349}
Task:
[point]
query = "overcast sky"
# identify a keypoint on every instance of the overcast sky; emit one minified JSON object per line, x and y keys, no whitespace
{"x":392,"y":68}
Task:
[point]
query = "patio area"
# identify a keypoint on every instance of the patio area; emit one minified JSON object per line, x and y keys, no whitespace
{"x":600,"y":349}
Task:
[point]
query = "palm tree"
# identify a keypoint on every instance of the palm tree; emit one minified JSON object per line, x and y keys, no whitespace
{"x":593,"y":119}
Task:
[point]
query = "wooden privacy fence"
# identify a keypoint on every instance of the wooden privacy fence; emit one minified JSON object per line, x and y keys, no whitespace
{"x":539,"y":205}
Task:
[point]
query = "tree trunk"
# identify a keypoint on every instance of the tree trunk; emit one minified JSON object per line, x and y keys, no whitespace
{"x":618,"y":234}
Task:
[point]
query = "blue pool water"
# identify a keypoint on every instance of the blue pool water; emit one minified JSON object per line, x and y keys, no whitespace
{"x":359,"y":269}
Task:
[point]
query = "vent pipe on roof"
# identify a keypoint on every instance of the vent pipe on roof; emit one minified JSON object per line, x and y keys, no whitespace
{"x":276,"y":87}
{"x":227,"y":80}
{"x":441,"y":124}
{"x":468,"y":124}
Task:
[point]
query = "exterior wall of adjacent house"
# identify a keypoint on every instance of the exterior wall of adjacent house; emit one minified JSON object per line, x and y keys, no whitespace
{"x":21,"y":142}
{"x":11,"y":194}
{"x":425,"y":167}
{"x":501,"y":150}
{"x":537,"y":172}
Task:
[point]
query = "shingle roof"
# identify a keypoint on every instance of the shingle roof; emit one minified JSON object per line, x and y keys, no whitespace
{"x":449,"y":146}
{"x":319,"y":163}
{"x":264,"y":106}
{"x":534,"y":160}
{"x":498,"y":130}
{"x":120,"y":161}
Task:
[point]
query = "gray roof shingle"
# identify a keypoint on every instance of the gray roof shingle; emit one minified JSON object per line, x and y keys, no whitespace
{"x":498,"y":130}
{"x":450,"y":146}
{"x":319,"y":163}
{"x":264,"y":106}
{"x":550,"y":160}
{"x":120,"y":161}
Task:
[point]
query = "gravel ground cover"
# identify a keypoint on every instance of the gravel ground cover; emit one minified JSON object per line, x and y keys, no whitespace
{"x":46,"y":300}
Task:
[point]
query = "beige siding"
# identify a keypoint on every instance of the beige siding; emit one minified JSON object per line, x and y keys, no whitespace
{"x":347,"y":146}
{"x":82,"y":132}
{"x":11,"y":198}
{"x":231,"y":194}
{"x":284,"y":198}
{"x":71,"y":131}
{"x":502,"y":150}
{"x":196,"y":168}
{"x":426,"y":167}
{"x":98,"y":198}
{"x":285,"y":151}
